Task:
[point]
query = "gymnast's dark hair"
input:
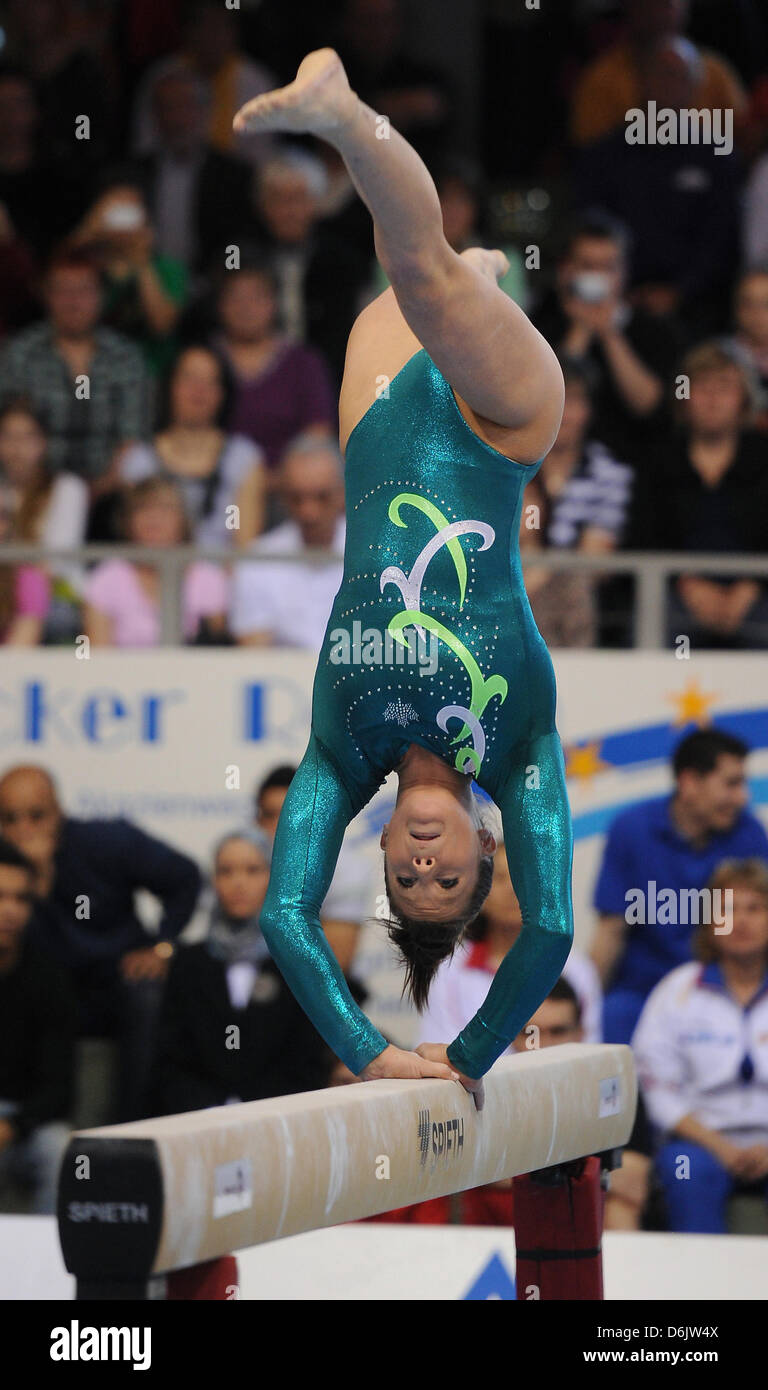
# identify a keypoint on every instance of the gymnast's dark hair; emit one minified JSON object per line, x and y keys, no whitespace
{"x":424,"y":944}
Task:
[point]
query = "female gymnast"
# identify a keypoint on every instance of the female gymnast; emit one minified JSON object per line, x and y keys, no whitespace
{"x":449,"y":402}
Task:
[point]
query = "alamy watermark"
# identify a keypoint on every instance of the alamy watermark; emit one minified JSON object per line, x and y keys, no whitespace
{"x":666,"y":126}
{"x":670,"y":907}
{"x":370,"y":646}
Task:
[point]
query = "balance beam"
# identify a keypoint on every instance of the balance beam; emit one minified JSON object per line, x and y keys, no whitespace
{"x":160,"y":1195}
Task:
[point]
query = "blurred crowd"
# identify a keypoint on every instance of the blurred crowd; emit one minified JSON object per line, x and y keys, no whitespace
{"x":175,"y":302}
{"x":193,"y":1012}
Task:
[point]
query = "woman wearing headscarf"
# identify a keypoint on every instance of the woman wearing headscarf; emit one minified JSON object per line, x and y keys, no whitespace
{"x":230,"y":1029}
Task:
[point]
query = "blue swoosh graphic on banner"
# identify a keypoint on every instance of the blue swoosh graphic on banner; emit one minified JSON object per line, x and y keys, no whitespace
{"x":655,"y":742}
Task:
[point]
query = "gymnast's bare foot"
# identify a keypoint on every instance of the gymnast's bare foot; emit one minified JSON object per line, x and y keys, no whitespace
{"x":319,"y":100}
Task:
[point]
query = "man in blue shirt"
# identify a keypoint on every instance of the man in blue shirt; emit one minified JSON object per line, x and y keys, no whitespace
{"x":656,"y":852}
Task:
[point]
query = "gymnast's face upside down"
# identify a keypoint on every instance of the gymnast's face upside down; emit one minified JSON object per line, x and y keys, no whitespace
{"x":432,"y":850}
{"x":438,"y":869}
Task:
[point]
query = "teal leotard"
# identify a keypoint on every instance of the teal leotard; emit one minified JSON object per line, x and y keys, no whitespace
{"x":432,"y":543}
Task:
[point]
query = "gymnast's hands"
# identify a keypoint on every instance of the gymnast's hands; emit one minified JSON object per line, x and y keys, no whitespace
{"x":438,"y":1053}
{"x":430,"y":1060}
{"x":394,"y":1063}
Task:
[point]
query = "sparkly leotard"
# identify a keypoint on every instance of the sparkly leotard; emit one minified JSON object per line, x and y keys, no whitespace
{"x":432,"y":547}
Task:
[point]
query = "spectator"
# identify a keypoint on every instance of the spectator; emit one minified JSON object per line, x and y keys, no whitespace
{"x":269,"y":797}
{"x":289,"y":603}
{"x":558,"y":1020}
{"x":682,"y":199}
{"x":228,"y":981}
{"x":752,"y":326}
{"x":668,"y":844}
{"x":198,"y":198}
{"x":707,"y":490}
{"x":578,"y":501}
{"x":463,"y":201}
{"x":461,"y":983}
{"x":282,"y":388}
{"x":24,"y":589}
{"x":86,"y":875}
{"x":346,"y":902}
{"x":587,"y":490}
{"x":144,"y":290}
{"x":39,"y":203}
{"x":702,"y":1054}
{"x":227,"y":79}
{"x":44,"y":38}
{"x":88,"y":381}
{"x":122,"y":598}
{"x":37,"y":1029}
{"x":632,"y":353}
{"x":50,"y":509}
{"x":321,"y":279}
{"x":612,"y":84}
{"x":220,"y":474}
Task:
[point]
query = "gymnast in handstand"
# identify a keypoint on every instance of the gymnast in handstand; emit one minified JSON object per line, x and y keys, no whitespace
{"x":450,"y":400}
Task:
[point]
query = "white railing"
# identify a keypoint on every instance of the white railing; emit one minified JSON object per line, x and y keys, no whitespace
{"x":651,"y":571}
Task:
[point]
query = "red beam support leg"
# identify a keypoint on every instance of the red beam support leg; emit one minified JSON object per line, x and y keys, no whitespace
{"x":558,"y":1230}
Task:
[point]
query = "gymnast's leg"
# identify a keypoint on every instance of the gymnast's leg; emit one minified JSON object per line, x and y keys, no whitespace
{"x":479,"y":339}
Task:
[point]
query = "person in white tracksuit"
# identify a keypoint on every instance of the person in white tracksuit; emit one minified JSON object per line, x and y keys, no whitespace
{"x":701,"y":1046}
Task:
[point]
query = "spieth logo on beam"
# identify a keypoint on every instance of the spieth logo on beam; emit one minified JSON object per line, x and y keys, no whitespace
{"x":443,"y":1136}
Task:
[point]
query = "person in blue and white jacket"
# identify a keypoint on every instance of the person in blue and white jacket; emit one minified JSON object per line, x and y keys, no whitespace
{"x":701,"y":1047}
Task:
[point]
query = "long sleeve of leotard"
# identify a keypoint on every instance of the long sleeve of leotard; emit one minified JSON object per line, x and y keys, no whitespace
{"x":538,"y":843}
{"x":315,"y":814}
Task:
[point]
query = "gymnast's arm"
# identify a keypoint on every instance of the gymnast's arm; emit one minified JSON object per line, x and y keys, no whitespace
{"x":540,"y":868}
{"x":315,"y":815}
